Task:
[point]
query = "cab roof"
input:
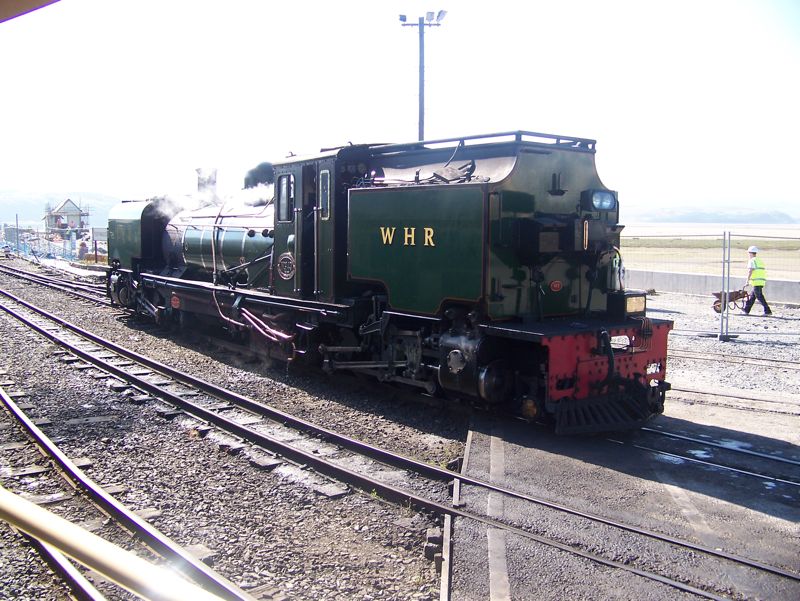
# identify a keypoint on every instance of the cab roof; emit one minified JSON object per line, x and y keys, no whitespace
{"x":489,"y":145}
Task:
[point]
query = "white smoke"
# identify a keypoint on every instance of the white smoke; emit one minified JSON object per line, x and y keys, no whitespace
{"x":253,"y":197}
{"x":207,"y":185}
{"x":169,"y":205}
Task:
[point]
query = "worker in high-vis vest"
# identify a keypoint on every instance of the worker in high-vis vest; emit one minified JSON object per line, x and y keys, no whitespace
{"x":757,"y":278}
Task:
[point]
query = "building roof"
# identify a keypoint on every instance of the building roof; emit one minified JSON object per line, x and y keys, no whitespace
{"x":68,"y":206}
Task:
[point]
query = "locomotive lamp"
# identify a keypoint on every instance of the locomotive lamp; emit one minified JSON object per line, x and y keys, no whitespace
{"x":598,"y":200}
{"x":627,"y":303}
{"x":422,"y":23}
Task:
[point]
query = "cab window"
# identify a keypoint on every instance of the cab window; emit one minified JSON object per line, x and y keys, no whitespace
{"x":286,"y":198}
{"x":325,"y":194}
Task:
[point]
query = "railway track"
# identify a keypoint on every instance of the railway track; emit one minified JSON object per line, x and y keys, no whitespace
{"x":160,"y":380}
{"x":727,"y":447}
{"x":503,"y":461}
{"x":87,"y":291}
{"x":688,"y":355}
{"x":107,"y":505}
{"x":782,"y":404}
{"x":693,"y":333}
{"x":737,"y":359}
{"x":768,"y":467}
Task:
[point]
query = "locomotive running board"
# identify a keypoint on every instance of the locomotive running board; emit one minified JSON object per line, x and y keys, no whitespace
{"x":601,"y":414}
{"x":255,"y":296}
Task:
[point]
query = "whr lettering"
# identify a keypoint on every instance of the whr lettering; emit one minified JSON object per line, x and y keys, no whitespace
{"x":409,"y":236}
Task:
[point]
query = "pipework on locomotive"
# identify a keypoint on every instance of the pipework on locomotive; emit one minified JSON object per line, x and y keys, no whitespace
{"x":484,"y":268}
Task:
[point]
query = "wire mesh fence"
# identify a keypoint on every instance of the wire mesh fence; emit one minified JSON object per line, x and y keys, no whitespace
{"x":703,"y":254}
{"x":33,"y":243}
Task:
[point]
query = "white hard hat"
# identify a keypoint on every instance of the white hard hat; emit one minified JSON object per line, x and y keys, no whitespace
{"x":752,"y":249}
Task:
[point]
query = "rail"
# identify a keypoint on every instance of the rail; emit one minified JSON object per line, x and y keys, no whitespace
{"x":382,"y":489}
{"x":150,"y":536}
{"x":129,"y":571}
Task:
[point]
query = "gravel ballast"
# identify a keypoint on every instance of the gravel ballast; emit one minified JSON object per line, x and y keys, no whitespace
{"x":271,"y":528}
{"x":266,"y":529}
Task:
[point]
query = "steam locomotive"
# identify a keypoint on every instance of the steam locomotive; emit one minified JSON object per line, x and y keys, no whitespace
{"x":485,"y":268}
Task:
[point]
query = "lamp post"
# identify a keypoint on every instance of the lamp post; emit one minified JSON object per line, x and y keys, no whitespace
{"x":422,"y":23}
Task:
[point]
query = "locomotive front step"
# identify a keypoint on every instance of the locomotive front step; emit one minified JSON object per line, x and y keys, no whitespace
{"x":607,"y":413}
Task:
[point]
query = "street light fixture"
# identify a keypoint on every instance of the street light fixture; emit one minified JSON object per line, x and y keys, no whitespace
{"x":422,"y":23}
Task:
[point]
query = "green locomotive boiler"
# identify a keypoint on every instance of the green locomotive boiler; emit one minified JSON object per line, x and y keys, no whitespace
{"x":485,"y":268}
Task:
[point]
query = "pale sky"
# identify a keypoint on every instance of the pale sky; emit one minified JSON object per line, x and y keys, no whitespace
{"x":693,"y":102}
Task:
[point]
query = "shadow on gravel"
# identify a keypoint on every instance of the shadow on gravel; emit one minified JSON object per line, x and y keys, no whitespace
{"x":642,"y":455}
{"x":365,"y":408}
{"x":381,"y":413}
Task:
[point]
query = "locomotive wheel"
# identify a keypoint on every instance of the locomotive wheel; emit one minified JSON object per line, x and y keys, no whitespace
{"x":123,"y":295}
{"x":494,"y":382}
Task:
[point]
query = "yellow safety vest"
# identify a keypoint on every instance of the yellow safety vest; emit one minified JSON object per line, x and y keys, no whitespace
{"x":759,"y":275}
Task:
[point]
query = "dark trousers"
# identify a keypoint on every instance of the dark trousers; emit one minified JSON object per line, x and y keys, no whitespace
{"x":757,"y":293}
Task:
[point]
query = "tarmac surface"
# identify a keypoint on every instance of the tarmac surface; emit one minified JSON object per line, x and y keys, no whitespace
{"x":616,"y":477}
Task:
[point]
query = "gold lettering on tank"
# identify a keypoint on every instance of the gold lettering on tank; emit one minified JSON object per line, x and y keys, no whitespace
{"x":409,"y":236}
{"x":387,"y":235}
